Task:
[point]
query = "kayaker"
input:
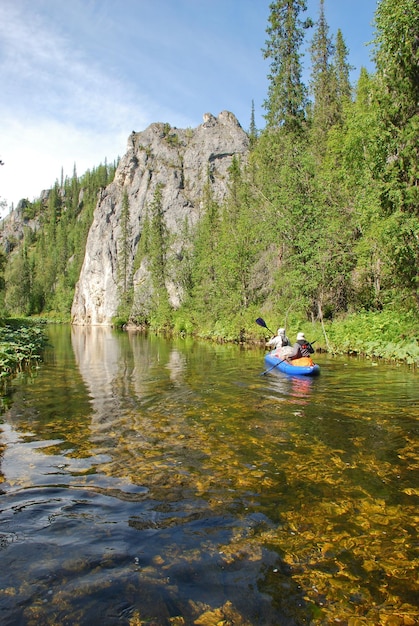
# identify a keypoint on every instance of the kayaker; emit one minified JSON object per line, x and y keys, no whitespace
{"x":279,"y":341}
{"x":301,"y":349}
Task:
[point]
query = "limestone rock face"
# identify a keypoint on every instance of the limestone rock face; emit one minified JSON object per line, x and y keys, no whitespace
{"x":181,"y":163}
{"x":13,"y":227}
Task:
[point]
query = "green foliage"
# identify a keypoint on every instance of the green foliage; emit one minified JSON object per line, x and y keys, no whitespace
{"x":183,"y":324}
{"x":41,"y":272}
{"x":151,"y":304}
{"x":286,"y":100}
{"x":397,"y":58}
{"x":172,"y":138}
{"x":397,"y":98}
{"x":387,"y":334}
{"x":124,"y":249}
{"x":205,"y":264}
{"x":118,"y":322}
{"x":3,"y":261}
{"x":253,"y":132}
{"x":157,"y":241}
{"x":306,"y":225}
{"x":21,"y":345}
{"x":323,"y":79}
{"x":319,"y":229}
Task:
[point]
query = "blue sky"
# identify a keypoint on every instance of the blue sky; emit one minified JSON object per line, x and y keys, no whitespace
{"x":78,"y":76}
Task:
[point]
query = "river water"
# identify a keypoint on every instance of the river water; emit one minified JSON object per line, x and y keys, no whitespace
{"x":156,"y":482}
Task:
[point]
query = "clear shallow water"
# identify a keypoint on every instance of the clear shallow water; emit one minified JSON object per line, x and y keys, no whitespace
{"x":155,"y":482}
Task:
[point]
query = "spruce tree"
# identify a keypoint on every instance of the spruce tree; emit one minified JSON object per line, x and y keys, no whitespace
{"x":253,"y":133}
{"x":158,"y":241}
{"x":323,"y":80}
{"x":205,"y":294}
{"x":342,"y":69}
{"x":285,"y":105}
{"x":124,"y":247}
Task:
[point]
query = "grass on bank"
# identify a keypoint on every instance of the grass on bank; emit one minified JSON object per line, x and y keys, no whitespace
{"x":389,"y":335}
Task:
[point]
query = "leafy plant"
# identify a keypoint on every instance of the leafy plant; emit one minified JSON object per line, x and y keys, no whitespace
{"x":21,"y":345}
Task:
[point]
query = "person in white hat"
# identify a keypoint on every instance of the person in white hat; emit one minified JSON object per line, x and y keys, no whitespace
{"x":279,"y":341}
{"x":301,"y":348}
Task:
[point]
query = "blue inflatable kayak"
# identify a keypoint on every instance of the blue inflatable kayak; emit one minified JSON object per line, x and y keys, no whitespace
{"x":276,"y":363}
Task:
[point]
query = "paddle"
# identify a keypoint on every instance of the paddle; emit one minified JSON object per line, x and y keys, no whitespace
{"x":262,"y":323}
{"x":271,"y":368}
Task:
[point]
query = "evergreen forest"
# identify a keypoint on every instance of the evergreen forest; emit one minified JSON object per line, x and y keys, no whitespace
{"x":320,"y":229}
{"x":39,"y":272}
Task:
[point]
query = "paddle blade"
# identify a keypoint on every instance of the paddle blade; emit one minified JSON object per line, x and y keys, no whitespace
{"x":261,"y":322}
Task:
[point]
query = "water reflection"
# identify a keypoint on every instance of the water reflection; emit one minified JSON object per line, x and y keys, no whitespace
{"x":296,"y":389}
{"x":169,"y":482}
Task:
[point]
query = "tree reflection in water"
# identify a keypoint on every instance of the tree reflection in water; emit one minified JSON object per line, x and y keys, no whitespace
{"x":167,"y":482}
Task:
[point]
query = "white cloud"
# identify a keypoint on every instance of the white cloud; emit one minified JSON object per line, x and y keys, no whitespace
{"x":61,"y":108}
{"x":35,"y":161}
{"x":77,"y":77}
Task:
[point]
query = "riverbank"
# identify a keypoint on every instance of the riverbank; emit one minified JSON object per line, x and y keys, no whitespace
{"x":388,"y":335}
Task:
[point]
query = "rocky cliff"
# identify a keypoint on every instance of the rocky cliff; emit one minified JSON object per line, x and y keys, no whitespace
{"x":13,"y":227}
{"x":182,"y":163}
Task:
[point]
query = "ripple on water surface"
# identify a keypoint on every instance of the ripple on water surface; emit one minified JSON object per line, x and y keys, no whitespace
{"x":164,"y":483}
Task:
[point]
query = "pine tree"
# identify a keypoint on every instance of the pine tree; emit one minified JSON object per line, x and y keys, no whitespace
{"x":2,"y":266}
{"x":205,"y":283}
{"x":18,"y":279}
{"x":158,"y":241}
{"x":253,"y":133}
{"x":285,"y":105}
{"x":323,"y":80}
{"x":239,"y":243}
{"x":53,"y":212}
{"x":342,"y":69}
{"x":124,"y":247}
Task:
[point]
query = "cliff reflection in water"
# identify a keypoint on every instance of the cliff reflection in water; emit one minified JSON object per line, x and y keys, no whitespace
{"x":169,"y":482}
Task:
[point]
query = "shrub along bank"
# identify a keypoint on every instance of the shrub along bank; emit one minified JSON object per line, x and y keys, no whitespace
{"x":389,"y":335}
{"x":22,"y":343}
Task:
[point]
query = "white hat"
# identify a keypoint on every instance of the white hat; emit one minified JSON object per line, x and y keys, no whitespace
{"x":281,"y":331}
{"x":300,"y":336}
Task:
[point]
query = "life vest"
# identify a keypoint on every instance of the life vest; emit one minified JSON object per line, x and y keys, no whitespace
{"x":305,"y":349}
